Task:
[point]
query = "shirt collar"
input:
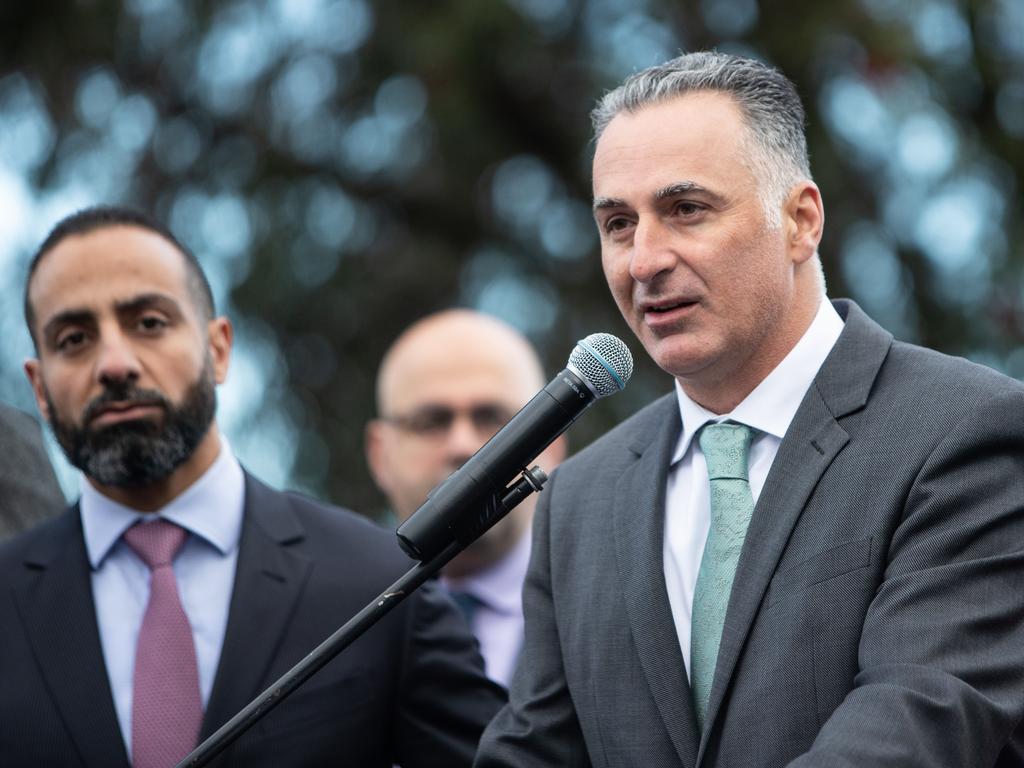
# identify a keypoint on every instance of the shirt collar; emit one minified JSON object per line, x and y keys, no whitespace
{"x":211,"y":509}
{"x":770,"y":408}
{"x":499,"y":586}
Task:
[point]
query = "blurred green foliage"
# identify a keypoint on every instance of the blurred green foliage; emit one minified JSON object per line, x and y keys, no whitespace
{"x":344,"y":167}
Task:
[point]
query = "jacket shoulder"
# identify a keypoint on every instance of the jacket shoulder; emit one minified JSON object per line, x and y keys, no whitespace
{"x":925,"y":360}
{"x":932,"y":380}
{"x":329,"y":533}
{"x":41,"y":542}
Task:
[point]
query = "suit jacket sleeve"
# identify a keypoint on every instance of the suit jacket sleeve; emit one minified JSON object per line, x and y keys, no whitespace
{"x":29,"y":492}
{"x":444,"y":699}
{"x":941,"y":655}
{"x":538,"y":727}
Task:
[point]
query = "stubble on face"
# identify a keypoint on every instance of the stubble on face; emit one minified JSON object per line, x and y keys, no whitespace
{"x":692,"y":261}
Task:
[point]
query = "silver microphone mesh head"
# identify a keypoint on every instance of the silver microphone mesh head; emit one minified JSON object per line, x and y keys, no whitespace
{"x":603,"y":362}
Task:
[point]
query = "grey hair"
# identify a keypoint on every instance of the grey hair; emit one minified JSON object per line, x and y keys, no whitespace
{"x":774,"y":116}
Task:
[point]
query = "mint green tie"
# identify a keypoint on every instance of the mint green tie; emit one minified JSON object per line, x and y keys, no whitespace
{"x":725,"y":449}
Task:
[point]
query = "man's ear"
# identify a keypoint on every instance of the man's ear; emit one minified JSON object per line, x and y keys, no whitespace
{"x":220,"y":336}
{"x":35,"y":378}
{"x":373,"y":438}
{"x":804,"y":220}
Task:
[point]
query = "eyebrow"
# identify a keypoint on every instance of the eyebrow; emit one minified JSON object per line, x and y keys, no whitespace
{"x":679,"y":188}
{"x":600,"y":203}
{"x":144,"y":301}
{"x":665,"y":193}
{"x":127,"y":307}
{"x":68,"y":317}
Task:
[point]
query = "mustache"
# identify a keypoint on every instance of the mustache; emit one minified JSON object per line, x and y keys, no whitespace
{"x":122,"y":393}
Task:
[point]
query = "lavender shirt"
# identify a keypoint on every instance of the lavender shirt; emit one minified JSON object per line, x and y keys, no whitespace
{"x":498,"y":621}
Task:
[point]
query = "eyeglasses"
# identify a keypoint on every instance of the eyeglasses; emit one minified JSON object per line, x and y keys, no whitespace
{"x":436,"y":420}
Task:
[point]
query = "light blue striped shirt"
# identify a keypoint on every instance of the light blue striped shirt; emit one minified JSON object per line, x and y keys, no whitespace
{"x":211,"y":510}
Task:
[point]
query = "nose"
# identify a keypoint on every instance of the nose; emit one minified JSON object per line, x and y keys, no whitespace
{"x":116,"y":361}
{"x":652,"y":250}
{"x":462,"y":440}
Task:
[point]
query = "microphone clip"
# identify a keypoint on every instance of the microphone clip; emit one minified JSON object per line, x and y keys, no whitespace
{"x":497,"y":506}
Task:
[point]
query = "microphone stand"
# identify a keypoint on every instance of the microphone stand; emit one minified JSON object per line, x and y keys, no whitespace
{"x":529,"y":481}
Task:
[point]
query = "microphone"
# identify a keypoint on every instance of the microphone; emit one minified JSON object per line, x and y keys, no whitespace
{"x":455,"y":513}
{"x":476,"y":495}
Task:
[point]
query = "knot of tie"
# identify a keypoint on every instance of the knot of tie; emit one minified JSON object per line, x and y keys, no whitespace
{"x":725,"y":448}
{"x":156,"y":543}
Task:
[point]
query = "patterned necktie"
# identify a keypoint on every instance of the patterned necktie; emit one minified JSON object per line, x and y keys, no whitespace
{"x":725,"y":449}
{"x":166,"y":705}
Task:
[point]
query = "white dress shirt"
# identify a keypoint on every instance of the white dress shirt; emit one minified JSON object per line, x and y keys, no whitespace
{"x":769,"y":409}
{"x":498,"y":620}
{"x":211,"y":511}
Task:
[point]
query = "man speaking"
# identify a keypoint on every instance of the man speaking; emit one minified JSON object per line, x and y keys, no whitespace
{"x":812,"y":552}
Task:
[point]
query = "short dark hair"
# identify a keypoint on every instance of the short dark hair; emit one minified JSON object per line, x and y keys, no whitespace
{"x":102,"y":216}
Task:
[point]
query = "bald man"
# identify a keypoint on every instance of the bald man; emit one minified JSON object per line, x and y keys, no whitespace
{"x":446,"y":385}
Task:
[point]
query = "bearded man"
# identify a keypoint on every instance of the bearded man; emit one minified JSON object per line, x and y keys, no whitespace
{"x":179,"y":586}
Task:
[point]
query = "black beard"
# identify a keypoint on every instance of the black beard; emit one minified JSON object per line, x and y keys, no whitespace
{"x":133,"y":454}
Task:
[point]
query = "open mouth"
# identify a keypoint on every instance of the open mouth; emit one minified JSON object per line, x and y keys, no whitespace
{"x":667,"y":309}
{"x":668,"y":315}
{"x":663,"y":309}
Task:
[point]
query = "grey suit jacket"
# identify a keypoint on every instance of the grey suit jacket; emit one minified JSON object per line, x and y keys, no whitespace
{"x":28,"y":486}
{"x":877,"y":613}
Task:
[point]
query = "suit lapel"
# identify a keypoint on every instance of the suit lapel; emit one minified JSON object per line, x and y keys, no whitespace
{"x":56,"y":605}
{"x":812,"y":442}
{"x":639,"y":531}
{"x":269,"y":579}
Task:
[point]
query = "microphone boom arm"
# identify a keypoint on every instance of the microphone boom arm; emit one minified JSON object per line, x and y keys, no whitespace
{"x":497,"y":507}
{"x":458,"y":511}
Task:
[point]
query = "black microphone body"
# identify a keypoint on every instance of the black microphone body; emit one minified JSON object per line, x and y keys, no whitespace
{"x":465,"y":505}
{"x":460,"y":508}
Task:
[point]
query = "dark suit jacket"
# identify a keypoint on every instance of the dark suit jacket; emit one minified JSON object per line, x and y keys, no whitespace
{"x":28,"y":487}
{"x":877,"y":613}
{"x":410,"y":691}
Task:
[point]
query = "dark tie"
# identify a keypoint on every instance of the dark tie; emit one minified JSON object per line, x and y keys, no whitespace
{"x":166,"y":704}
{"x":467,"y":604}
{"x":725,"y":449}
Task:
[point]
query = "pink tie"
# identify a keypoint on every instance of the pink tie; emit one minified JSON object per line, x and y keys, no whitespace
{"x":166,"y":706}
